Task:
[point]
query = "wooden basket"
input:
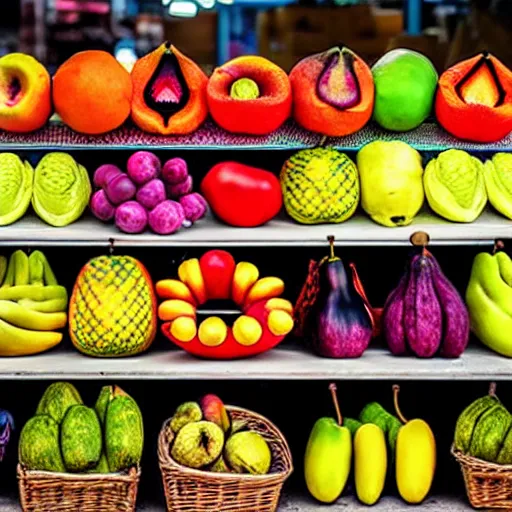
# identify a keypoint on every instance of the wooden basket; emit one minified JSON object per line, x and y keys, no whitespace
{"x":192,"y":490}
{"x":488,"y":485}
{"x":44,"y":491}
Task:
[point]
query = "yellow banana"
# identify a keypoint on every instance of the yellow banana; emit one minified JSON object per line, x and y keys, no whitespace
{"x":36,"y":268}
{"x":265,"y":288}
{"x":3,"y":268}
{"x":19,"y":316}
{"x":22,"y":342}
{"x":29,"y":291}
{"x":21,"y":268}
{"x":45,"y":306}
{"x":49,"y":276}
{"x":9,"y":275}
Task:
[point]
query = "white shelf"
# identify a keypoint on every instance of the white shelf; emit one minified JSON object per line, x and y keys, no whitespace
{"x":477,"y":363}
{"x":299,"y":504}
{"x":359,"y":230}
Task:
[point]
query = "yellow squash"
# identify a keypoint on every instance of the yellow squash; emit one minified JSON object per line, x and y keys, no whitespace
{"x":415,"y":457}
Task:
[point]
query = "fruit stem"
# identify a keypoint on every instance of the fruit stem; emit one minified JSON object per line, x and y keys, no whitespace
{"x":396,"y":390}
{"x":332,"y":388}
{"x":492,"y":389}
{"x":331,"y":246}
{"x":498,"y":246}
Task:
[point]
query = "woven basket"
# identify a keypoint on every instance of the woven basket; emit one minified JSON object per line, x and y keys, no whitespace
{"x":192,"y":490}
{"x":488,"y":485}
{"x":43,"y":491}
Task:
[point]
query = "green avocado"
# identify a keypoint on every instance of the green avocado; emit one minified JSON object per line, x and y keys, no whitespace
{"x":405,"y":86}
{"x":39,"y":448}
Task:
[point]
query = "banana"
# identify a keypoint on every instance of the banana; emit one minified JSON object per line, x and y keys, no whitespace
{"x":9,"y":275}
{"x":21,"y":268}
{"x":264,"y":288}
{"x":505,"y":264}
{"x":3,"y":268}
{"x":36,"y":268}
{"x":190,"y":273}
{"x":22,"y":342}
{"x":45,"y":306}
{"x":246,"y":274}
{"x":19,"y":316}
{"x":174,"y":308}
{"x":174,"y":289}
{"x":33,"y":292}
{"x":49,"y":276}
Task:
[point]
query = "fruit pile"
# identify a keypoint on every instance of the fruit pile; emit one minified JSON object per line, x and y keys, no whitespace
{"x":32,"y":305}
{"x":59,"y":189}
{"x":264,"y":321}
{"x":322,"y":185}
{"x":334,"y":93}
{"x":483,"y":430}
{"x":67,"y":436}
{"x":147,"y":195}
{"x":203,"y":436}
{"x":332,"y":445}
{"x":112,"y":310}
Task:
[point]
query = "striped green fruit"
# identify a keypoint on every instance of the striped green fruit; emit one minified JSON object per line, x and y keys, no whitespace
{"x":319,"y":186}
{"x":112,"y":310}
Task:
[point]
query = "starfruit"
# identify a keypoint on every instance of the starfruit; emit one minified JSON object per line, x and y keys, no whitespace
{"x":61,"y":189}
{"x":16,"y":179}
{"x":498,"y":182}
{"x":454,"y":186}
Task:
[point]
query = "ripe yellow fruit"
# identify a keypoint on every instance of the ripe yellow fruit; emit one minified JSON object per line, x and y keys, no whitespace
{"x":212,"y":331}
{"x":247,"y":330}
{"x":184,"y":329}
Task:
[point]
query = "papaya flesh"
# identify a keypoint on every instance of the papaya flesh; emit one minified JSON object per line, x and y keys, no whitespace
{"x":333,"y":92}
{"x":169,"y":92}
{"x":474,"y":99}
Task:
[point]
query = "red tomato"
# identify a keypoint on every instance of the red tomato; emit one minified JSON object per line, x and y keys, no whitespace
{"x":241,"y":195}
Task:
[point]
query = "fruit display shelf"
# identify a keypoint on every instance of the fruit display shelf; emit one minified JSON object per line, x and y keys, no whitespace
{"x":291,"y":503}
{"x":56,"y":136}
{"x":477,"y":363}
{"x":359,"y":230}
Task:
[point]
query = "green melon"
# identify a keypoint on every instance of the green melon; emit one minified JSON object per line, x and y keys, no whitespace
{"x":57,"y":399}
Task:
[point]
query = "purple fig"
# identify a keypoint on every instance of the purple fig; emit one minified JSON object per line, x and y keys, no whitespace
{"x":194,"y":205}
{"x":104,"y":173}
{"x":393,"y":318}
{"x":423,"y":319}
{"x":101,"y":207}
{"x":342,"y":327}
{"x":180,"y":189}
{"x":143,"y":166}
{"x":120,"y":189}
{"x":166,"y":218}
{"x":151,"y":194}
{"x":455,"y":315}
{"x":175,"y":171}
{"x":131,"y":217}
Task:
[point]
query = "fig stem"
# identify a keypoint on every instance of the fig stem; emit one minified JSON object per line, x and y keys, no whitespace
{"x":492,"y":389}
{"x":332,"y":389}
{"x":498,"y":246}
{"x":396,"y":391}
{"x":331,"y":246}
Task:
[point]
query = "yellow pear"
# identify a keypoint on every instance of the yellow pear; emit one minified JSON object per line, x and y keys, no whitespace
{"x":391,"y":176}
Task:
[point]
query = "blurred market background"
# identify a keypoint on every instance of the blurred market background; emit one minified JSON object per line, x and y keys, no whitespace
{"x":213,"y":31}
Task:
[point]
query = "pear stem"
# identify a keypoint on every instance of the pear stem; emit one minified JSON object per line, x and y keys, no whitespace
{"x":331,"y":246}
{"x":332,"y":388}
{"x":396,"y":390}
{"x":498,"y":246}
{"x":492,"y":389}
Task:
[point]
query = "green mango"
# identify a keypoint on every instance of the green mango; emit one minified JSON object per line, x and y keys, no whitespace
{"x":81,"y":439}
{"x":103,"y":401}
{"x":61,"y":189}
{"x":352,"y":425}
{"x":405,"y":85}
{"x":489,"y":433}
{"x":124,"y":433}
{"x":327,"y":460}
{"x":39,"y":445}
{"x":468,"y":420}
{"x":102,"y":466}
{"x":57,"y":399}
{"x":16,"y":180}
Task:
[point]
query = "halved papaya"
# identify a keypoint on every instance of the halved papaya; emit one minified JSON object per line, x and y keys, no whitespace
{"x":169,"y":92}
{"x":249,"y":95}
{"x":333,"y":92}
{"x":474,"y":99}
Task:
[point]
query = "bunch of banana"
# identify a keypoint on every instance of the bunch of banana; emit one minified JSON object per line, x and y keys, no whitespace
{"x":32,"y":305}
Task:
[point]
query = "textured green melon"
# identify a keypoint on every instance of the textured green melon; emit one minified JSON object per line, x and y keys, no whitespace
{"x":57,"y":399}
